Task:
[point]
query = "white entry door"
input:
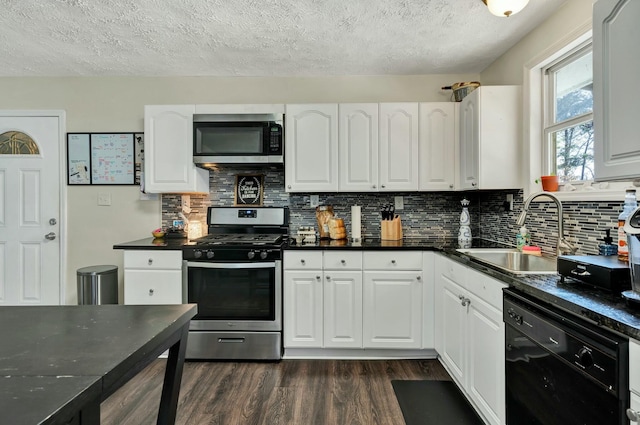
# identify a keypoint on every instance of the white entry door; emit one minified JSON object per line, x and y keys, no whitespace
{"x":29,"y":210}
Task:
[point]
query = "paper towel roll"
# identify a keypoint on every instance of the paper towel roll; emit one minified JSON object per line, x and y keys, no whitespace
{"x":356,"y":222}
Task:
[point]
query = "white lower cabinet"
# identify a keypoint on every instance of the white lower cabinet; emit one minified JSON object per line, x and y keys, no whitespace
{"x":356,"y":300}
{"x":152,"y":277}
{"x":392,"y":309}
{"x":634,"y":381}
{"x":469,"y":335}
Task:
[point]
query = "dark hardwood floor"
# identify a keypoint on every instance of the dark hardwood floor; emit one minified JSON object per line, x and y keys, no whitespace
{"x":300,"y":392}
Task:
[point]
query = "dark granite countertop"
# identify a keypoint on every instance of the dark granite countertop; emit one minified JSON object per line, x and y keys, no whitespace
{"x":598,"y":306}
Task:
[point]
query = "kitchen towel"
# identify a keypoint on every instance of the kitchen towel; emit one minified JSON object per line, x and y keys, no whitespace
{"x":433,"y":403}
{"x":356,"y":222}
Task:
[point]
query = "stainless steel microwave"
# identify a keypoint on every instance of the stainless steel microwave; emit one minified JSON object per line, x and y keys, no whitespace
{"x":238,"y":139}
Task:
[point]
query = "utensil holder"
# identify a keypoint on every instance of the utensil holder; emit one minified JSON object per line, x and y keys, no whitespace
{"x":391,"y":230}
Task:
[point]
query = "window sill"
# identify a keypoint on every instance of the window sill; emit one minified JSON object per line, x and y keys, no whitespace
{"x":590,"y":191}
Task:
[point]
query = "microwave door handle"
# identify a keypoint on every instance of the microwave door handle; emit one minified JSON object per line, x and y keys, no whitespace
{"x":205,"y":265}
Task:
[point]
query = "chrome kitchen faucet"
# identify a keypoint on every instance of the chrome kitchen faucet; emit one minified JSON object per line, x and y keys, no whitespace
{"x":563,"y":246}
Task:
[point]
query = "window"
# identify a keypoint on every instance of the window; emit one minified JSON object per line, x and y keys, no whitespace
{"x":568,"y":116}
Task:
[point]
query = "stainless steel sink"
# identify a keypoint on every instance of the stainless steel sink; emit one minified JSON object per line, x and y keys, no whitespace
{"x":512,"y":260}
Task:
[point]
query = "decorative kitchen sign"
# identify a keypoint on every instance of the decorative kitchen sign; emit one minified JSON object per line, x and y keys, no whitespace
{"x":249,"y":189}
{"x":101,"y":158}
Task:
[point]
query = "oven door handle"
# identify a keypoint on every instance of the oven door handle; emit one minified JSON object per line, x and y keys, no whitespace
{"x":205,"y":265}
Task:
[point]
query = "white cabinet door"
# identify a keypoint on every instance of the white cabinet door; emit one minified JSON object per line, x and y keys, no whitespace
{"x":342,"y":309}
{"x":152,"y":286}
{"x":438,"y":137}
{"x":311,"y":148}
{"x":617,"y":142}
{"x":453,"y":323}
{"x":358,"y":141}
{"x":398,"y":146}
{"x":303,"y":308}
{"x":168,"y":158}
{"x":392,"y":304}
{"x":469,"y":141}
{"x":485,"y":374}
{"x":490,"y":138}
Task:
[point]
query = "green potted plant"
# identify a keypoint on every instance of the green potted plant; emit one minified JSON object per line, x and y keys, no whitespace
{"x":549,"y":183}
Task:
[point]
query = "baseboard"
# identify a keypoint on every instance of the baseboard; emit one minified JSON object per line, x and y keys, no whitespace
{"x":358,"y":353}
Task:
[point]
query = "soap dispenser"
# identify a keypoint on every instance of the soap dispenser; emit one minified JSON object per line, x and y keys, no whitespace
{"x":607,"y":248}
{"x":523,"y":238}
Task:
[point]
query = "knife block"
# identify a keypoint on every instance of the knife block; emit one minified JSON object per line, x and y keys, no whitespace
{"x":391,"y":230}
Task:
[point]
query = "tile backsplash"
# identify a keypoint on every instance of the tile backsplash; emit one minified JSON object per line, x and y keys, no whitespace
{"x":425,"y":214}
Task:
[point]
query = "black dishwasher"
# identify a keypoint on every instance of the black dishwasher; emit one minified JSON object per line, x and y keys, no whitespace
{"x":561,"y":370}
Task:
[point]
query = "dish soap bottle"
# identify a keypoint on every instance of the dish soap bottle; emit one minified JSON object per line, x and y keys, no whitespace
{"x":630,"y":204}
{"x":607,"y":248}
{"x":523,"y":238}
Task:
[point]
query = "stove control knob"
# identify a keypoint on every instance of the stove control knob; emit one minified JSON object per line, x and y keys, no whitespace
{"x":197,"y":253}
{"x":251,"y":254}
{"x":263,"y":255}
{"x":210,"y":254}
{"x":585,"y":358}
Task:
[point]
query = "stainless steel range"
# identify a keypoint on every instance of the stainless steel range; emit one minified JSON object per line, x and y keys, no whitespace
{"x":234,"y":274}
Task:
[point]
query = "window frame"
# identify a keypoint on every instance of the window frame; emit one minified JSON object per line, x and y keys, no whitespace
{"x":549,"y":126}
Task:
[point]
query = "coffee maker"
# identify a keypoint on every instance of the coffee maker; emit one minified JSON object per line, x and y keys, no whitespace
{"x":632,"y":229}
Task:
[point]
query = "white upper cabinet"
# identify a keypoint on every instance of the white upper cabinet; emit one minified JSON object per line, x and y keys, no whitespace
{"x":358,"y":146}
{"x":398,"y":146}
{"x":490,"y":138}
{"x":616,"y":66}
{"x":168,"y":162}
{"x":311,"y":148}
{"x":438,"y":138}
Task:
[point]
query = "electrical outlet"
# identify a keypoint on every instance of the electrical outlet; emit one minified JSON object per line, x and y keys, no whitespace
{"x":509,"y":202}
{"x":399,"y":202}
{"x":104,"y":199}
{"x":314,"y":201}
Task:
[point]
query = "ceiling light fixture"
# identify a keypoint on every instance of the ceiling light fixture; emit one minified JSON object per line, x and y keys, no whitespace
{"x":505,"y":7}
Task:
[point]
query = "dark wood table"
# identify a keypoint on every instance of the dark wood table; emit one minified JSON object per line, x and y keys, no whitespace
{"x":58,"y":363}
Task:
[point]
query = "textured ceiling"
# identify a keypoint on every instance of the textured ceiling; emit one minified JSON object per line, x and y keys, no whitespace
{"x":256,"y":37}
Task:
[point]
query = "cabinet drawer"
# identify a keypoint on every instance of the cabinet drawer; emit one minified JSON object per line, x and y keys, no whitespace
{"x":342,"y":260}
{"x":299,"y":260}
{"x":454,"y":271}
{"x":393,"y":260}
{"x":166,"y":260}
{"x":485,"y":287}
{"x":152,"y":286}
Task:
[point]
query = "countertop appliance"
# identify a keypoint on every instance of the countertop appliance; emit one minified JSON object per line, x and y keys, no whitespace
{"x":561,"y":370}
{"x":632,"y":229}
{"x":234,"y":275}
{"x":601,"y":271}
{"x":238,"y":139}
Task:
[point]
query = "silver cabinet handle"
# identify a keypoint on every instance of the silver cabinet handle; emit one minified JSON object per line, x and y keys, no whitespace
{"x":150,"y":292}
{"x":418,"y":278}
{"x":317,"y":277}
{"x":393,"y":261}
{"x":474,"y":184}
{"x":289,"y":187}
{"x":302,"y":261}
{"x":450,"y":186}
{"x":465,"y":302}
{"x":343,"y":262}
{"x":461,"y":297}
{"x":328,"y":277}
{"x":633,"y":415}
{"x":150,"y":261}
{"x":50,"y":236}
{"x":383,"y":186}
{"x":373,"y":187}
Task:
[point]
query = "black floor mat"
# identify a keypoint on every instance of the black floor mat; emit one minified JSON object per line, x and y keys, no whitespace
{"x":434,"y":403}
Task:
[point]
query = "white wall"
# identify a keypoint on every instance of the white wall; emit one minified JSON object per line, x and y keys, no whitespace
{"x":112,"y":104}
{"x":509,"y":68}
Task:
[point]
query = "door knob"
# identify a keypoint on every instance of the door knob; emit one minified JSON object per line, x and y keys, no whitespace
{"x":52,"y":221}
{"x":50,"y":236}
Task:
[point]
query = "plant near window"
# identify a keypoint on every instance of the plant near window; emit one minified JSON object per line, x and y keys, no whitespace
{"x":549,"y":183}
